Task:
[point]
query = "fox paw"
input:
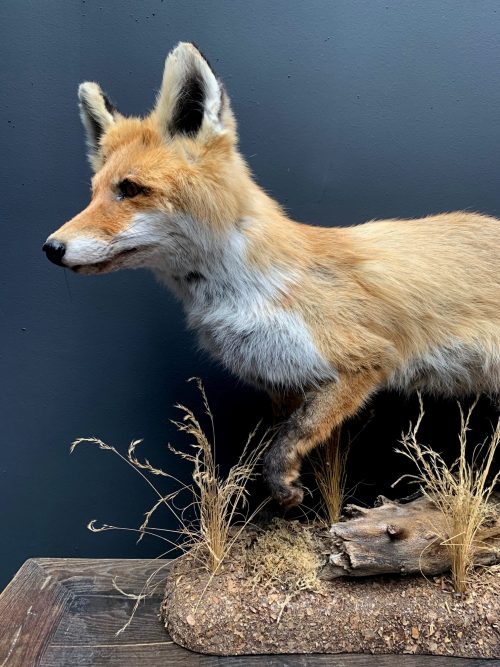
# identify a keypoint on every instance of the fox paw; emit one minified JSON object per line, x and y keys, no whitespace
{"x":287,"y":495}
{"x":282,"y":476}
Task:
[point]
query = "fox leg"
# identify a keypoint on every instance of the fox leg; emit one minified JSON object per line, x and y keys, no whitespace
{"x":310,"y":425}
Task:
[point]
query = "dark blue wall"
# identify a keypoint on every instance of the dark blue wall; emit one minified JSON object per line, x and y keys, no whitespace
{"x":348,"y":110}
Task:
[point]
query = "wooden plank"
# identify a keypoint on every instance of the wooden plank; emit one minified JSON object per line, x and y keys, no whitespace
{"x":58,"y":600}
{"x":151,"y":657}
{"x":91,"y":576}
{"x":65,"y":612}
{"x":30,"y":608}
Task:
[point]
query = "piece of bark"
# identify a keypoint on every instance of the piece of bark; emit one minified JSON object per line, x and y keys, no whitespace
{"x":401,"y":537}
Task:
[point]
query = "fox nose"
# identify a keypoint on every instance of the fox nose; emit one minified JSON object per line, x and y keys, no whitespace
{"x":54,"y":251}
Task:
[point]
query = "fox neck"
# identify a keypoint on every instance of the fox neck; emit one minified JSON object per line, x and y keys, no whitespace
{"x":203,"y":264}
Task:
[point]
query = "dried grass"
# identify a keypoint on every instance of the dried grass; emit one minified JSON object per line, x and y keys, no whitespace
{"x":217,"y":503}
{"x":329,"y":467}
{"x":461,"y":491}
{"x":214,"y":510}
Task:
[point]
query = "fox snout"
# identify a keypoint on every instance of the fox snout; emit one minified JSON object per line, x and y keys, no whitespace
{"x":76,"y":245}
{"x":84,"y":253}
{"x":91,"y":238}
{"x":86,"y":246}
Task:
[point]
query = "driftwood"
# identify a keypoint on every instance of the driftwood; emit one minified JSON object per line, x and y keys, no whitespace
{"x":400,"y":537}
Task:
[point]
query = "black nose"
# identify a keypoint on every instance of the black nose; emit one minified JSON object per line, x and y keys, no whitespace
{"x":54,"y":251}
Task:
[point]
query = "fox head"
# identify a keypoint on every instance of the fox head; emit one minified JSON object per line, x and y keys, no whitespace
{"x":177,"y":167}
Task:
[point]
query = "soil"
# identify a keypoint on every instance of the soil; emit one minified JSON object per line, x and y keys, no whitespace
{"x":252,"y":606}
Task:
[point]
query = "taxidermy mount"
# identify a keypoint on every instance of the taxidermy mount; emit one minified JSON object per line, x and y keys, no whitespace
{"x":328,"y":316}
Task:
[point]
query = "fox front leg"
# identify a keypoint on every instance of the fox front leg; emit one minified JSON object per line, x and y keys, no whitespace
{"x":310,"y":425}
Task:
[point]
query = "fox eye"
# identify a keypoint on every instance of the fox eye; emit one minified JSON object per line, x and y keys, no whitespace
{"x":128,"y":189}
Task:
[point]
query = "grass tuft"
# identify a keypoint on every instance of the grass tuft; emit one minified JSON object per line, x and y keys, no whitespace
{"x":218,"y":502}
{"x":460,"y":491}
{"x":328,"y":463}
{"x":215,"y":509}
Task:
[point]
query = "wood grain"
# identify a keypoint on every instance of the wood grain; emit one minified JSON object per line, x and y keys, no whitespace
{"x":65,"y":613}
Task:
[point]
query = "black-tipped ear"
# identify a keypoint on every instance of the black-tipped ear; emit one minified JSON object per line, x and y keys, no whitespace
{"x":191,"y":96}
{"x":97,"y":114}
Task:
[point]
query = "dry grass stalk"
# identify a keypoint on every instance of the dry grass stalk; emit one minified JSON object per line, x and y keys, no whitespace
{"x":218,"y":503}
{"x":218,"y":506}
{"x":460,"y":491}
{"x":329,"y":467}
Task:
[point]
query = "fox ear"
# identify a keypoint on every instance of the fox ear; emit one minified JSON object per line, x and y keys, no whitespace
{"x":97,"y":114}
{"x":191,"y":99}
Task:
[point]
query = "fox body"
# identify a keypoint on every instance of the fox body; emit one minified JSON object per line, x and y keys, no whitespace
{"x":326,"y":315}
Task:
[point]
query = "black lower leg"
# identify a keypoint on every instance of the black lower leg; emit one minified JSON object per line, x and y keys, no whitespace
{"x":282,"y":462}
{"x":281,"y":472}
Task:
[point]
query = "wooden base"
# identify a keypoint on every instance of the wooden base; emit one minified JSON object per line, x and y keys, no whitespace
{"x":60,"y":612}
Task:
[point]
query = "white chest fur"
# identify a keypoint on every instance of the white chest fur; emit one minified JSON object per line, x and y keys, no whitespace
{"x":235,"y":310}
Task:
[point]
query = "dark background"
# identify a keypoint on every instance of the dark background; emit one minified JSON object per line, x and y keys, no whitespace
{"x":348,"y":110}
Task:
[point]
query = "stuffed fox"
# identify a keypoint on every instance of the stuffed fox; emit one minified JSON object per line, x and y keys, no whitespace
{"x":327,"y":315}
